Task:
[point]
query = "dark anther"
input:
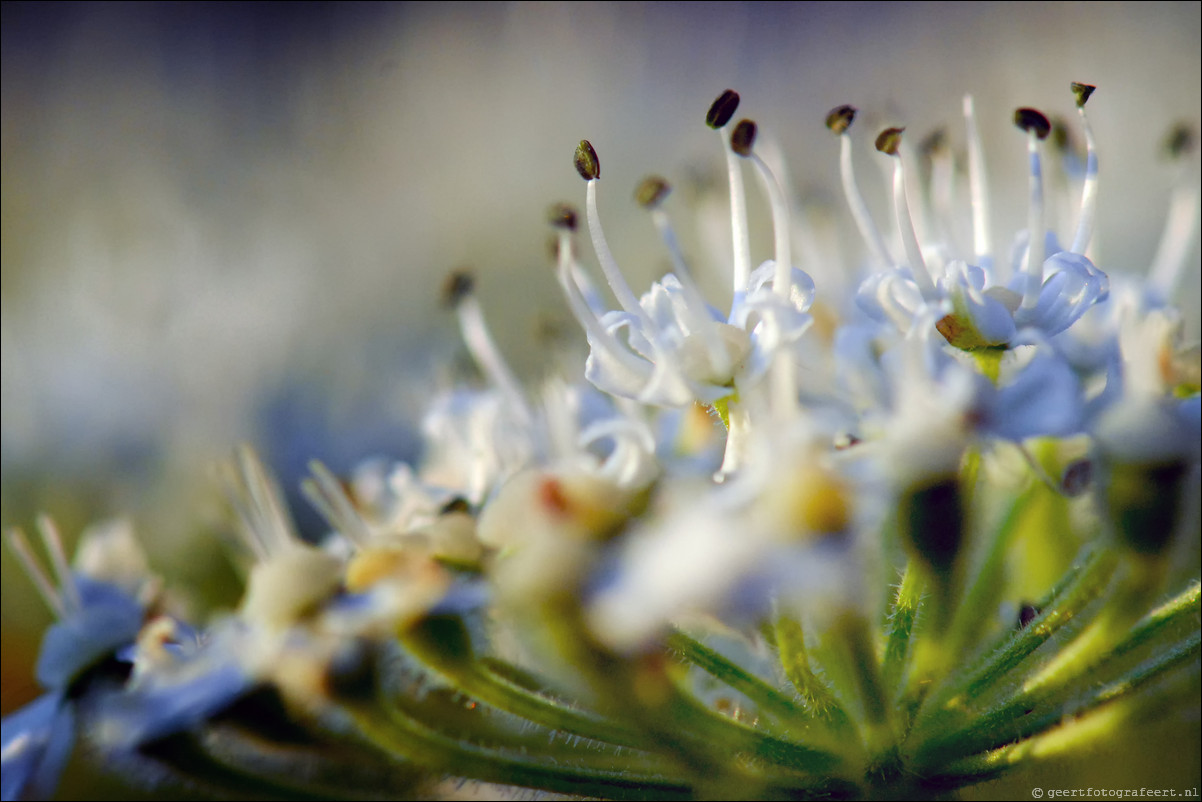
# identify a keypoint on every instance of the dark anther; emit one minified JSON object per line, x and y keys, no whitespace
{"x":561,"y":215}
{"x":651,"y":191}
{"x":889,"y":141}
{"x":1180,"y":141}
{"x":1077,"y":477}
{"x":587,"y":163}
{"x":458,"y":285}
{"x":1082,"y":93}
{"x":1032,"y":120}
{"x":743,"y":138}
{"x":457,"y":504}
{"x":722,"y":109}
{"x":935,"y":142}
{"x":840,"y":119}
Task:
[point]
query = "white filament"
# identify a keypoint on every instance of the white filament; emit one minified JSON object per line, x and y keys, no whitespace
{"x":1035,"y":226}
{"x":783,"y":376}
{"x":53,"y":542}
{"x":905,"y":227}
{"x":1089,"y":192}
{"x":621,"y":290}
{"x":586,"y":316}
{"x":325,"y":492}
{"x":21,"y":548}
{"x":978,"y":183}
{"x":942,"y":187}
{"x":266,"y":527}
{"x":714,"y":345}
{"x":859,"y":210}
{"x":782,"y":282}
{"x":738,"y":218}
{"x":1180,"y":234}
{"x":486,"y":354}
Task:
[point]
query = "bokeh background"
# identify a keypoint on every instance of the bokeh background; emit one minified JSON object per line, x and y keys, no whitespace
{"x":228,"y":222}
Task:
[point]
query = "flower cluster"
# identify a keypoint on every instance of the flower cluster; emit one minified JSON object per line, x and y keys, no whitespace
{"x":842,"y":544}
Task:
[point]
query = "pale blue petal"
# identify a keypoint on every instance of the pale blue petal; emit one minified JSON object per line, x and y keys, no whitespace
{"x":1073,"y":285}
{"x":109,"y":619}
{"x":1043,"y":400}
{"x":37,"y":741}
{"x":172,"y":701}
{"x":890,"y":297}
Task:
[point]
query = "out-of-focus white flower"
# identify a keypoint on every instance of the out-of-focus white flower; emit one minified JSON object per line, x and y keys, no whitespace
{"x":96,"y":619}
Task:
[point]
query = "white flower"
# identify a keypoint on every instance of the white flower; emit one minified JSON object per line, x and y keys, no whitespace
{"x":670,"y":347}
{"x":973,"y":307}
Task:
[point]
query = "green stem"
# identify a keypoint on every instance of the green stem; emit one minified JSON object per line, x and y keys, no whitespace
{"x":1012,"y":724}
{"x":1163,"y":618}
{"x":1080,"y":585}
{"x":187,"y":755}
{"x":413,"y":740}
{"x":444,"y":645}
{"x":899,"y":628}
{"x":770,"y":700}
{"x":820,"y":702}
{"x":1035,"y":695}
{"x":645,"y":689}
{"x":985,"y":586}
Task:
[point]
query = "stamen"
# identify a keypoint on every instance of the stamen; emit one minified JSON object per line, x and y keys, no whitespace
{"x":918,"y":211}
{"x":325,"y":492}
{"x":805,"y":238}
{"x":889,"y":142}
{"x":53,"y":542}
{"x":650,"y":194}
{"x":41,"y":580}
{"x":257,"y":501}
{"x":458,"y":292}
{"x":1089,"y":192}
{"x":783,"y":375}
{"x":1037,"y":127}
{"x":720,"y":113}
{"x":741,"y":142}
{"x":838,"y":121}
{"x":722,"y":110}
{"x":588,"y":317}
{"x":942,"y":181}
{"x":589,"y":168}
{"x":1038,"y":470}
{"x":587,"y":163}
{"x":978,"y":183}
{"x":560,"y":410}
{"x":1064,"y":207}
{"x":1181,"y":225}
{"x":564,"y":219}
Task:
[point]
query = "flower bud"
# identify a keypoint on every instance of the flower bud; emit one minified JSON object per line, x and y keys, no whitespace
{"x":1145,"y":462}
{"x":933,"y":522}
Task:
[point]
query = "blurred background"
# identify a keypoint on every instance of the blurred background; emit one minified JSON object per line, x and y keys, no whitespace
{"x":228,"y":222}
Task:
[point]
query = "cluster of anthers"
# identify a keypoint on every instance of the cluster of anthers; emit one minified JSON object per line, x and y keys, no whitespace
{"x":841,"y":544}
